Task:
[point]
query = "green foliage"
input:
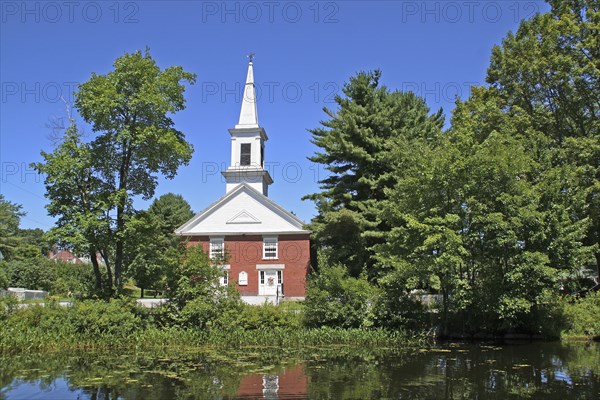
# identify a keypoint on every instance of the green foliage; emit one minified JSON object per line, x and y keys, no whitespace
{"x":79,"y":199}
{"x":172,"y":210}
{"x":15,"y":243}
{"x":356,"y":146}
{"x":549,"y":71}
{"x":10,"y":216}
{"x":8,"y":306}
{"x":336,"y":299}
{"x":149,"y":253}
{"x":496,"y":215}
{"x":33,"y":274}
{"x":582,"y":316}
{"x":58,"y":278}
{"x":91,"y":185}
{"x":195,"y":291}
{"x":4,"y":282}
{"x":72,"y":280}
{"x":396,"y":307}
{"x":47,"y":318}
{"x":117,"y":318}
{"x":152,"y":250}
{"x":266,"y":316}
{"x":35,"y":241}
{"x":54,"y":327}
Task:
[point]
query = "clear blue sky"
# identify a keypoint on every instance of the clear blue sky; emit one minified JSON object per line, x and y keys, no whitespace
{"x":305,"y":51}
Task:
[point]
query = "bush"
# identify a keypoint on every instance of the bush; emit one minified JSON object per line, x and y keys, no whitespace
{"x":266,"y":316}
{"x":195,"y":278}
{"x":3,"y":277}
{"x":8,"y":306}
{"x":119,"y":317}
{"x":33,"y":274}
{"x":49,"y":318}
{"x":395,"y":307}
{"x":582,"y":316}
{"x":75,"y":280}
{"x":197,"y":299}
{"x":338,"y":300}
{"x":203,"y":312}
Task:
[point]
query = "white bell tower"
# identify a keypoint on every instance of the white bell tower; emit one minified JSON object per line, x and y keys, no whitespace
{"x":248,"y":144}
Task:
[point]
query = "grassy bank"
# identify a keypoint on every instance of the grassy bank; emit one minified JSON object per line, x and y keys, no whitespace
{"x":15,"y":341}
{"x":99,"y":325}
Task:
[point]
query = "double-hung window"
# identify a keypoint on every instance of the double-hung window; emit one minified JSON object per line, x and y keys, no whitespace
{"x":224,"y":279}
{"x":270,"y":248}
{"x":217,"y":248}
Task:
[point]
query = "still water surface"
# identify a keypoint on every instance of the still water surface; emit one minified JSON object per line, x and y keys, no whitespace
{"x":451,"y":371}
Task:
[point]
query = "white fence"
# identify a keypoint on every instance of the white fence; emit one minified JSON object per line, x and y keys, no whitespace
{"x":24,"y":294}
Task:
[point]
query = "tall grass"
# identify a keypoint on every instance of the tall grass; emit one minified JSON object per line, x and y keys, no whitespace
{"x":119,"y":324}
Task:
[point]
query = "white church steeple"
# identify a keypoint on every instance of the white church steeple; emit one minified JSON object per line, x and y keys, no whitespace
{"x":248,"y":113}
{"x":248,"y":144}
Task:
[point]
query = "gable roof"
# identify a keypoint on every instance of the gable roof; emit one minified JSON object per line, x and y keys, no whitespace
{"x":243,"y":210}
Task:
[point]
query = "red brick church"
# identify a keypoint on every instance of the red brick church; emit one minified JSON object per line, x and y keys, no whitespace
{"x":265,"y":247}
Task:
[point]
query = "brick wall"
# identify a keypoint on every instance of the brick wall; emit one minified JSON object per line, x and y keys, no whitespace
{"x":245,"y":252}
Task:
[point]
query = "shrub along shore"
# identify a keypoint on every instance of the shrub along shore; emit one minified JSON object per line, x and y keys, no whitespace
{"x":121,"y":324}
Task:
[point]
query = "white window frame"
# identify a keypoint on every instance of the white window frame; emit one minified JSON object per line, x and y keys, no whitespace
{"x":224,"y":278}
{"x":215,"y":244}
{"x":273,"y":241}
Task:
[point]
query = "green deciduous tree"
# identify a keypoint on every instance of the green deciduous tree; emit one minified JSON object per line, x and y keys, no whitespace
{"x":338,"y":300}
{"x":172,"y":210}
{"x":10,"y":216}
{"x":91,"y":185}
{"x":152,"y":249}
{"x":130,"y":108}
{"x":501,"y":210}
{"x":32,"y":274}
{"x":16,"y":243}
{"x":550,"y":69}
{"x":80,"y":200}
{"x":197,"y":294}
{"x":35,"y":241}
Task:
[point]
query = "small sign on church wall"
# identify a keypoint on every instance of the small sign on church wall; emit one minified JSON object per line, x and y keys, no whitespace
{"x":243,"y":278}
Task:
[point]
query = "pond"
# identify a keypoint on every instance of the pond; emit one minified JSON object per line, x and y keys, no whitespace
{"x":449,"y":371}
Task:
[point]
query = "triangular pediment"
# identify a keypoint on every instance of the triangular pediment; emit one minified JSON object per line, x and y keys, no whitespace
{"x":244,"y":217}
{"x":243,"y":210}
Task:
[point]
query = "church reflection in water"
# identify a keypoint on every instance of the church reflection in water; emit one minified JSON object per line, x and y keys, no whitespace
{"x":290,"y":383}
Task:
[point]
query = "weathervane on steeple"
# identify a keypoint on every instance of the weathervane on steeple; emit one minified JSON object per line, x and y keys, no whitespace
{"x":251,"y":56}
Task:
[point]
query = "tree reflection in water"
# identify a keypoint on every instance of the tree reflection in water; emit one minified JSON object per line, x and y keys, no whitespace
{"x":451,"y":371}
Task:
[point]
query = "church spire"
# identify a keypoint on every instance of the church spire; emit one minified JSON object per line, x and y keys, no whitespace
{"x":248,"y":113}
{"x":248,"y":145}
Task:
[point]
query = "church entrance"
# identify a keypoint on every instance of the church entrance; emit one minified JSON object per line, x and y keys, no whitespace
{"x":269,"y":282}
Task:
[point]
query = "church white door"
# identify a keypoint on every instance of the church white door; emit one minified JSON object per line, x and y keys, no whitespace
{"x":269,"y":281}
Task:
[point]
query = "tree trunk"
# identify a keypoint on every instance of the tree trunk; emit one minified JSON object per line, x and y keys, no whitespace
{"x":109,"y":275}
{"x":123,"y":172}
{"x":119,"y":247}
{"x":445,"y":312}
{"x":142,"y":294}
{"x":97,"y":273}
